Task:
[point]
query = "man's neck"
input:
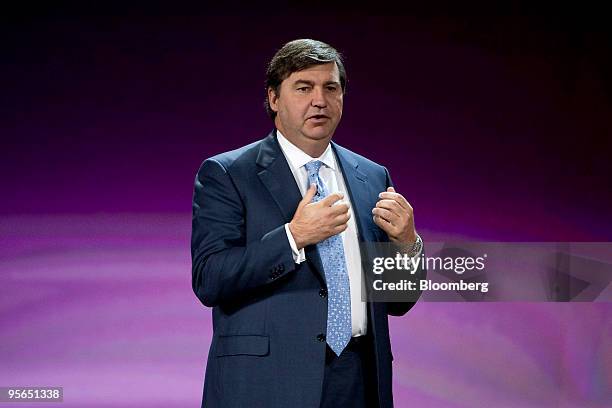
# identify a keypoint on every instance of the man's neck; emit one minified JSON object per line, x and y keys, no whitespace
{"x":313,"y":148}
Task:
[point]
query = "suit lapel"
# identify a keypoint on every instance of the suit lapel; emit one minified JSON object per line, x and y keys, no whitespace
{"x":276,"y":176}
{"x":356,"y":184}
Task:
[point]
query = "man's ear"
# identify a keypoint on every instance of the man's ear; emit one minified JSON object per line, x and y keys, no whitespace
{"x":272,"y":99}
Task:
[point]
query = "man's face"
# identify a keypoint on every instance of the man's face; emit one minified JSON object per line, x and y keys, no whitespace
{"x":309,"y":104}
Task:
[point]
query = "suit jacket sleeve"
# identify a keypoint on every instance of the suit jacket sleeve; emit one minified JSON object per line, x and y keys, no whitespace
{"x":401,"y":308}
{"x":225,"y":267}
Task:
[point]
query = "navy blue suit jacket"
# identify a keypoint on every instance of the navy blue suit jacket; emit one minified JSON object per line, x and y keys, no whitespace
{"x":268,"y":311}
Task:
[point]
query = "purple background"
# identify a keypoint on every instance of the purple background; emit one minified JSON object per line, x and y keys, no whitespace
{"x":495,"y":127}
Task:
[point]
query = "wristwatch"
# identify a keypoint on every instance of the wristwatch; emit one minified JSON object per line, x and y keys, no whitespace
{"x":414,"y":249}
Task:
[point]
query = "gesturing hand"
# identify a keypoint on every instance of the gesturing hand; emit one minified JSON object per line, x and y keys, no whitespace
{"x":315,"y":222}
{"x":393,"y":213}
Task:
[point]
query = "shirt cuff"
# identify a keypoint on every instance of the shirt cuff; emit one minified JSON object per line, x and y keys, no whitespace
{"x":298,"y":256}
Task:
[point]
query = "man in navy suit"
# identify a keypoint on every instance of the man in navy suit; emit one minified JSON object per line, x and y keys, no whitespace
{"x":275,"y":251}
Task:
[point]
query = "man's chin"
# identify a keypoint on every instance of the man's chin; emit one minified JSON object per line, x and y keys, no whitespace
{"x":319,"y":133}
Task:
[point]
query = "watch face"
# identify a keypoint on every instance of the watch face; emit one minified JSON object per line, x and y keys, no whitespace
{"x":418,"y":244}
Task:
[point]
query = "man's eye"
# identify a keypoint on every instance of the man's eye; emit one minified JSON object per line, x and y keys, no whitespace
{"x":303,"y":89}
{"x":332,"y":88}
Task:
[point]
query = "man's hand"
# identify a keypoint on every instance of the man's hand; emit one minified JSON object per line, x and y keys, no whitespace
{"x":315,"y":222}
{"x":394,"y":215}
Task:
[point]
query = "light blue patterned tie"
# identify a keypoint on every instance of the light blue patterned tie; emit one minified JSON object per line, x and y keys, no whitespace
{"x":339,"y":329}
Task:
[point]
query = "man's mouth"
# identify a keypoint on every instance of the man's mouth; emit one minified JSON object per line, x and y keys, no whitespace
{"x":318,"y":117}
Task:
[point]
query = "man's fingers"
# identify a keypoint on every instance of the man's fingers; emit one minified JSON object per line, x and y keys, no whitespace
{"x":400,"y":199}
{"x":391,"y":205}
{"x":391,"y":189}
{"x":331,"y":199}
{"x":341,"y":219}
{"x":383,"y":224}
{"x":385,"y":214}
{"x":340,"y":228}
{"x":339,"y":208}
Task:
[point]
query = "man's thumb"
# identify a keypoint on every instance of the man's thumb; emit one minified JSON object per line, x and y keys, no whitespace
{"x":390,"y":190}
{"x":310,"y":193}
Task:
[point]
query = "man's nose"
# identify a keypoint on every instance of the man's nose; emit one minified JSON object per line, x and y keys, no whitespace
{"x":318,"y":98}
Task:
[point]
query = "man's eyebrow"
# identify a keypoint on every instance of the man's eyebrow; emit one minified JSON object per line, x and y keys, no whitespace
{"x":311,"y":83}
{"x":303,"y":81}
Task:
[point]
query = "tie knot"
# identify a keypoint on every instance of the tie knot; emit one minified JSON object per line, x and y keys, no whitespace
{"x":312,"y":167}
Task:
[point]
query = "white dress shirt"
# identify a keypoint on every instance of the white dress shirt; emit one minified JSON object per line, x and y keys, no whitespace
{"x":334,"y":181}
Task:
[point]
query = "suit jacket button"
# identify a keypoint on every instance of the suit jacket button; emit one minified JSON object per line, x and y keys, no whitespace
{"x":323,"y":293}
{"x":321,"y":337}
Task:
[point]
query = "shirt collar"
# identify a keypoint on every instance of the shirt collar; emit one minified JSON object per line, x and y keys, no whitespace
{"x":298,"y":158}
